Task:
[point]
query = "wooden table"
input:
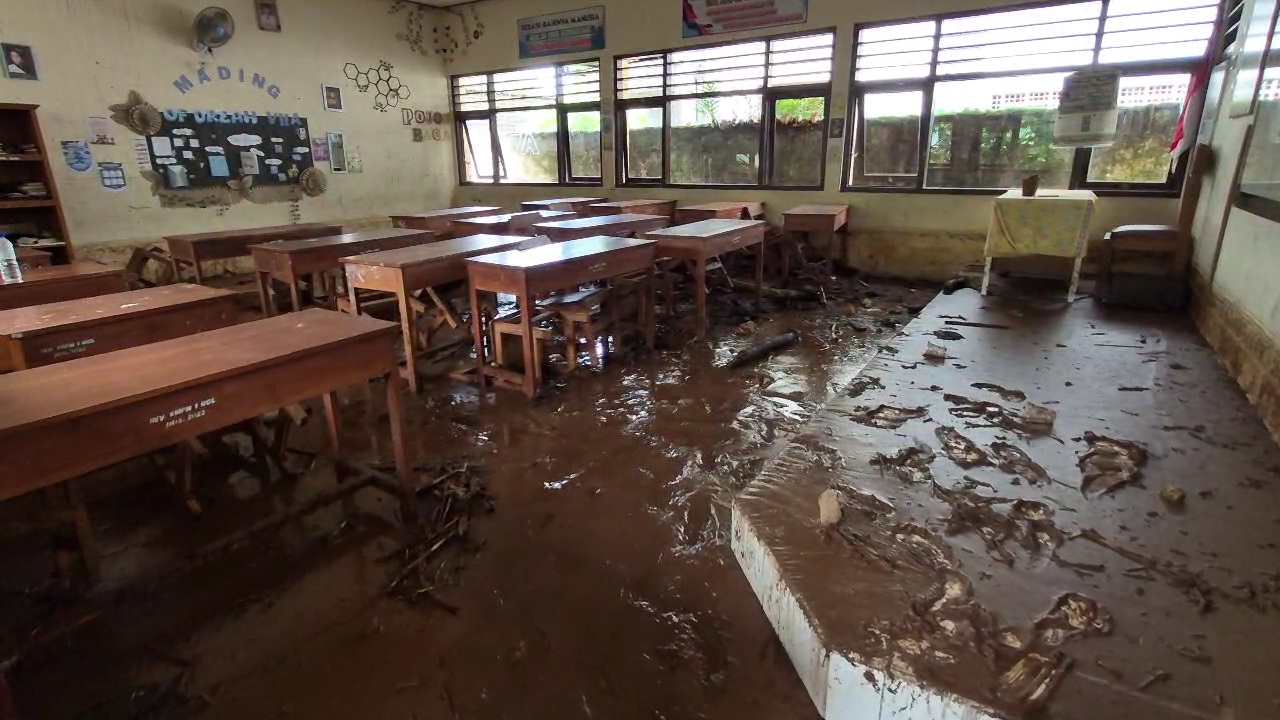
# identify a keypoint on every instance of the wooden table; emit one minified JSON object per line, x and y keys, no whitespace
{"x":62,"y":421}
{"x":407,"y":271}
{"x":573,"y":204}
{"x":539,"y":271}
{"x":719,"y":210}
{"x":290,"y":260}
{"x":56,"y":283}
{"x":701,"y":241}
{"x":440,"y":221}
{"x":501,"y":224}
{"x":46,"y":334}
{"x":1051,"y":222}
{"x":635,"y":207}
{"x":600,"y":225}
{"x":195,"y":249}
{"x":30,"y":258}
{"x":811,"y":220}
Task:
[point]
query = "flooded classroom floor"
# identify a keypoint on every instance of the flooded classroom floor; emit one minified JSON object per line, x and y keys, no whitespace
{"x":578,"y":557}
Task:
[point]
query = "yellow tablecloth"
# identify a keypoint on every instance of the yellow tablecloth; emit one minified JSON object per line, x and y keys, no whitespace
{"x":1054,"y":222}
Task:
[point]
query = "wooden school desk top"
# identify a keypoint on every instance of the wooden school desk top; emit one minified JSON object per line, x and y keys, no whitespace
{"x":705,"y":229}
{"x":818,"y":218}
{"x":61,"y":282}
{"x":451,"y":213}
{"x":553,"y":203}
{"x":742,"y":210}
{"x":558,"y":253}
{"x":600,"y":225}
{"x":156,"y":395}
{"x":501,"y":221}
{"x":346,"y":241}
{"x":438,"y":251}
{"x":235,"y":243}
{"x":625,"y":205}
{"x":91,"y":311}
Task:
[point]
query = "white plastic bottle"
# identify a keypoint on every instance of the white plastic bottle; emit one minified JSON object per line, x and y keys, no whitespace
{"x":9,"y":269}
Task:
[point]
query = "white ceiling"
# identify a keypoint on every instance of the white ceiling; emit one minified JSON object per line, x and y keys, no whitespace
{"x":442,"y":3}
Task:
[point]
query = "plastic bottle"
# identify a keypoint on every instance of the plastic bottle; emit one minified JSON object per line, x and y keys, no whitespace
{"x":9,"y":269}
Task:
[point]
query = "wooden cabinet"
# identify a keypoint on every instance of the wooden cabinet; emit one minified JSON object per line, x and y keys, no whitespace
{"x":29,"y":201}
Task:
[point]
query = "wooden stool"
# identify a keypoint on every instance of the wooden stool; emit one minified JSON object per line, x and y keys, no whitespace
{"x":1143,"y":266}
{"x":509,"y":324}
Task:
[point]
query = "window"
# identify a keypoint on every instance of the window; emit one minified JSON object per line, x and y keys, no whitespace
{"x":969,"y":101}
{"x":535,"y":125}
{"x":750,"y":114}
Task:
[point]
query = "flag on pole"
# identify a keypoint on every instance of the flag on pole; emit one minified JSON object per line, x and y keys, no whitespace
{"x":1184,"y":136}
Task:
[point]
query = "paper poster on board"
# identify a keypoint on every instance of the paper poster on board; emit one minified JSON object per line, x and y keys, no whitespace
{"x":712,"y":17}
{"x":1088,"y":109}
{"x":567,"y":32}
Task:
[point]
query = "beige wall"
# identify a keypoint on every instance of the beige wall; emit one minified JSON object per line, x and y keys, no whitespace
{"x":90,"y":53}
{"x":917,"y":235}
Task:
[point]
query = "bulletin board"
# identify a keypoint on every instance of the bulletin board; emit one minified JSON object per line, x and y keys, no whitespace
{"x":207,"y":149}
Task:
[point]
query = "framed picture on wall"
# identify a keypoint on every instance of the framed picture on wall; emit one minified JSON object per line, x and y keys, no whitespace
{"x":19,"y":62}
{"x":332,"y":98}
{"x":337,"y":152}
{"x":268,"y":15}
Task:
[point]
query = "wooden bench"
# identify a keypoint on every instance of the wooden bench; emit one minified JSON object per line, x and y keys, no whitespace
{"x":47,"y":334}
{"x":408,"y":271}
{"x":62,"y":421}
{"x":701,"y":241}
{"x":56,"y":283}
{"x":441,"y":221}
{"x":572,"y":204}
{"x":289,"y":261}
{"x":719,"y":211}
{"x":531,"y":273}
{"x":610,"y":225}
{"x":194,"y":250}
{"x":634,"y":207}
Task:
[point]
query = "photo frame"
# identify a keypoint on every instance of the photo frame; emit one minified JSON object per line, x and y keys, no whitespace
{"x":331,"y":95}
{"x":268,"y":14}
{"x":337,"y":152}
{"x":19,"y":62}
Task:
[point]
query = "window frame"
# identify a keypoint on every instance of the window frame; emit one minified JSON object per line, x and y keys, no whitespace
{"x":563,"y":163}
{"x":768,"y":97}
{"x":855,"y":123}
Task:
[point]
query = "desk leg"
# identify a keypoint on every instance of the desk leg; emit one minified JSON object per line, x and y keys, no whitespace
{"x":700,"y":290}
{"x":354,"y":297}
{"x":89,"y":548}
{"x":332,"y":424}
{"x":986,"y":275}
{"x":406,"y":330}
{"x":195,"y":265}
{"x":1075,"y":277}
{"x":295,"y":293}
{"x":265,"y":296}
{"x":530,"y":344}
{"x":760,"y":274}
{"x":395,"y":414}
{"x":649,"y":306}
{"x":477,"y":333}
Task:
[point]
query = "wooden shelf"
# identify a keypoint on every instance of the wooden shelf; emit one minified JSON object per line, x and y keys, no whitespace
{"x":27,"y":157}
{"x":17,"y":204}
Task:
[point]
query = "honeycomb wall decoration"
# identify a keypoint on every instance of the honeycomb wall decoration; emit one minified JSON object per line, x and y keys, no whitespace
{"x":388,"y":89}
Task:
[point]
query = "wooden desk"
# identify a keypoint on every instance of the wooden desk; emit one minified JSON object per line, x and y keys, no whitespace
{"x":701,"y":241}
{"x":420,"y":268}
{"x":65,"y":420}
{"x":290,"y":260}
{"x":809,"y":220}
{"x":193,"y":250}
{"x":56,"y":283}
{"x":635,"y":207}
{"x":719,"y":210}
{"x":47,"y":334}
{"x":584,"y":227}
{"x":573,"y":204}
{"x":440,"y":221}
{"x":501,"y":224}
{"x":539,"y":271}
{"x":30,"y":258}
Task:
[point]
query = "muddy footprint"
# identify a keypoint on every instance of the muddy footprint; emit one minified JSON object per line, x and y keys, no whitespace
{"x":960,"y":449}
{"x":887,"y":416}
{"x":1013,"y":460}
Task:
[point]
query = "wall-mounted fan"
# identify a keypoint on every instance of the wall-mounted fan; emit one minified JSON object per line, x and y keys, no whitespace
{"x":213,"y":28}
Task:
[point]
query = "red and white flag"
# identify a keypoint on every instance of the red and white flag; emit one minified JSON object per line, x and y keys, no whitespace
{"x":1184,"y":137}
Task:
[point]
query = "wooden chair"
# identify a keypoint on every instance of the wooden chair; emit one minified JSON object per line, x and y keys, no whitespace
{"x":508,"y":324}
{"x":1143,"y":265}
{"x":596,"y":313}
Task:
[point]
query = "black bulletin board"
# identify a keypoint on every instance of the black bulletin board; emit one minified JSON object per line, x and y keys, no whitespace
{"x":215,"y":147}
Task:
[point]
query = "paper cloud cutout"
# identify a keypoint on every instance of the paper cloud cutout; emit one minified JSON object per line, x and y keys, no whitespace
{"x":302,"y":150}
{"x":215,"y":150}
{"x":258,"y":152}
{"x":245,"y":140}
{"x":274,"y":161}
{"x":184,"y":131}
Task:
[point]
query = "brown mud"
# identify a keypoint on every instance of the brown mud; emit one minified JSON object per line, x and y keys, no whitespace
{"x":600,"y":584}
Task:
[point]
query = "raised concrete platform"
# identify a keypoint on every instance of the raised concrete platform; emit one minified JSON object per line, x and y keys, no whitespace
{"x":997,"y":569}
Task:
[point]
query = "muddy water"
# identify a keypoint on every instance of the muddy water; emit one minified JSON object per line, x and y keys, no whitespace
{"x":601,"y":587}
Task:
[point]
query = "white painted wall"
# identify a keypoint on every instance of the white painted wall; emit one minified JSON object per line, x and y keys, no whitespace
{"x":90,"y":53}
{"x":1248,"y":258}
{"x":881,"y":217}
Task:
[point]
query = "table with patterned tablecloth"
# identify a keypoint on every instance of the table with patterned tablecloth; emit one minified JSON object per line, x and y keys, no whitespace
{"x":1053,"y":222}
